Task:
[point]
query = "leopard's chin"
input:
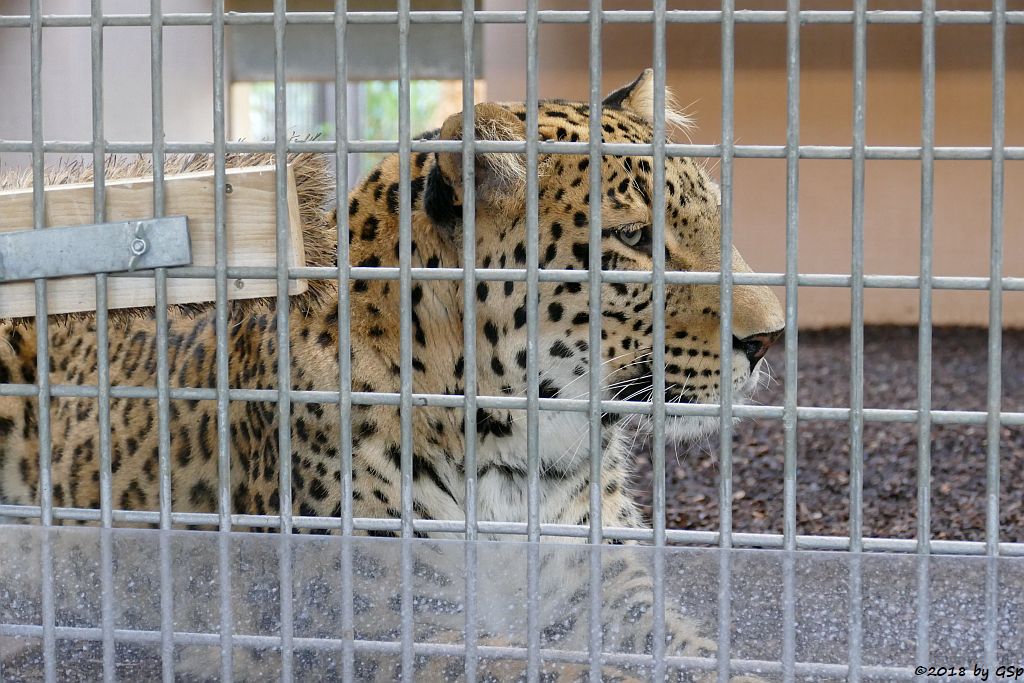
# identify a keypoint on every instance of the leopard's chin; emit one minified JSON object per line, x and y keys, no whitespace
{"x":681,"y":430}
{"x":689,"y":428}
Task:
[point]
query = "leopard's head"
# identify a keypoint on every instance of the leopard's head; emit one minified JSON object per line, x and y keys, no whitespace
{"x":692,"y":239}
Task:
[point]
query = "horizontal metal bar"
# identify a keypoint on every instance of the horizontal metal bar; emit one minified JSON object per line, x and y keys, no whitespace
{"x":679,"y":537}
{"x":95,"y":248}
{"x":519,"y":17}
{"x":948,"y":153}
{"x":953,"y":282}
{"x":804,"y":413}
{"x":79,"y":633}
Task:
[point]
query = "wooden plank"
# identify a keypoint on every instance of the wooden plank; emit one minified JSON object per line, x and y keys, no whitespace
{"x":251,"y":234}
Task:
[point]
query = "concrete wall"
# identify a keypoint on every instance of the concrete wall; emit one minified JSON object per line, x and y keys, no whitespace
{"x":892,"y":206}
{"x":66,"y":78}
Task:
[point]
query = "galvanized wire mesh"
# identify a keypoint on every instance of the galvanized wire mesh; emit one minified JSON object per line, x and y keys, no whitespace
{"x":533,"y":528}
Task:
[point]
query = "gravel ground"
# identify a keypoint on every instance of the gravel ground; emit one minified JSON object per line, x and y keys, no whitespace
{"x":959,"y":382}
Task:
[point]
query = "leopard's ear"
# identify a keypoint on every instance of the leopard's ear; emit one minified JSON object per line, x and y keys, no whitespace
{"x":500,"y":177}
{"x":638,"y":98}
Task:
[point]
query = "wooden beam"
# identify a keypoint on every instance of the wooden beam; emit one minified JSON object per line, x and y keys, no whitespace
{"x":251,"y":236}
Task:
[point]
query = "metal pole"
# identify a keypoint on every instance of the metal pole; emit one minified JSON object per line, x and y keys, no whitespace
{"x":405,"y":340}
{"x":162,"y":366}
{"x":469,"y":326}
{"x":595,"y":639}
{"x":995,"y":331}
{"x":221,"y":332}
{"x":102,"y":349}
{"x":42,"y":388}
{"x":341,"y":153}
{"x":790,"y":398}
{"x":857,"y":337}
{"x":284,"y":382}
{"x":533,"y":526}
{"x":725,"y":349}
{"x":658,"y":340}
{"x":924,"y":356}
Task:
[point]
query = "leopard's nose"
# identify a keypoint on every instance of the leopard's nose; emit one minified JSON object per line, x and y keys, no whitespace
{"x":756,"y":345}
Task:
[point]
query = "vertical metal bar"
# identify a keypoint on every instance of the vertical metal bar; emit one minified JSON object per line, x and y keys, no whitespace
{"x":594,"y":280}
{"x":42,"y":349}
{"x":658,"y":340}
{"x":344,"y":334}
{"x":162,"y":367}
{"x":469,"y":326}
{"x":789,"y":420}
{"x":924,"y":355}
{"x":995,"y":331}
{"x":102,"y":350}
{"x":284,"y":381}
{"x":221,"y":333}
{"x":725,"y":348}
{"x":857,"y":279}
{"x":468,"y":270}
{"x":469,"y":303}
{"x":533,"y":625}
{"x":855,"y":619}
{"x":405,"y":335}
{"x":857,"y":336}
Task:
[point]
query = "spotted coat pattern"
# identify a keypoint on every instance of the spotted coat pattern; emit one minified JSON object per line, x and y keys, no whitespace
{"x":692,"y":363}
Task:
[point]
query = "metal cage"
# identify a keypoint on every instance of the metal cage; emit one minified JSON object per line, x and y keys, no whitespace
{"x":918,"y":558}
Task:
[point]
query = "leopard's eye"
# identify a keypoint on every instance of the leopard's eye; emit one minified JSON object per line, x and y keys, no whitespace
{"x":631,"y":235}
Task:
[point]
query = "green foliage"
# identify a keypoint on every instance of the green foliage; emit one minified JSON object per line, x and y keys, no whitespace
{"x":377,"y":113}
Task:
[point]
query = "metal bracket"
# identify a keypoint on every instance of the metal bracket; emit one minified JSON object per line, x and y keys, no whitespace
{"x":97,"y":248}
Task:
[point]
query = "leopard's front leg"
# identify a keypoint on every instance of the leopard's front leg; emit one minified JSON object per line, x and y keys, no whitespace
{"x":628,"y":617}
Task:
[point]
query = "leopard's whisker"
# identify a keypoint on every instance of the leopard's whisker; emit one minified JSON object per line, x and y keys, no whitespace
{"x":639,"y":360}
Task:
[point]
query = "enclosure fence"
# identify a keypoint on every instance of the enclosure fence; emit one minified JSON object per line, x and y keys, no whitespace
{"x":725,"y":20}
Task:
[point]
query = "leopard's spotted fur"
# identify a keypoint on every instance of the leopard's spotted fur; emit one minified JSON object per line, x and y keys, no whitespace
{"x":692,"y":241}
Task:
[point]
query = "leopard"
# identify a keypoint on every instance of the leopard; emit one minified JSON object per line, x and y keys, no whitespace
{"x":437,"y":434}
